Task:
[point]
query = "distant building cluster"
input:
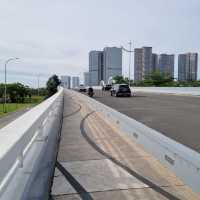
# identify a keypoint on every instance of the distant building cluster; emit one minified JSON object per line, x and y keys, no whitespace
{"x":103,"y":65}
{"x":68,"y":82}
{"x":146,"y":62}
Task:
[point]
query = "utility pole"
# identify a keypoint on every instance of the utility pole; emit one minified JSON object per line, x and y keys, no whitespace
{"x":129,"y":70}
{"x":38,"y":84}
{"x":129,"y":51}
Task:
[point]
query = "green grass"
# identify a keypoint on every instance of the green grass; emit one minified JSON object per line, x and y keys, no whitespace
{"x":12,"y":107}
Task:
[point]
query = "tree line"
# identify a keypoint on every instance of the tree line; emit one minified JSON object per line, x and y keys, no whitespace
{"x":18,"y":92}
{"x":157,"y":79}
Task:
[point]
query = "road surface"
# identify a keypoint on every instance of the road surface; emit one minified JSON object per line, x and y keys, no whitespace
{"x":177,"y":117}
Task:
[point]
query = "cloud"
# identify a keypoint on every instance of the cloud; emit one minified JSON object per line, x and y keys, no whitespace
{"x":55,"y":36}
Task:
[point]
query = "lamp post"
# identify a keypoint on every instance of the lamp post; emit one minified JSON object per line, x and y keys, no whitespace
{"x":38,"y":84}
{"x":5,"y":89}
{"x":129,"y":69}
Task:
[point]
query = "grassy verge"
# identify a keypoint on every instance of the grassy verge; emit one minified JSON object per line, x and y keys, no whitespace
{"x":12,"y":107}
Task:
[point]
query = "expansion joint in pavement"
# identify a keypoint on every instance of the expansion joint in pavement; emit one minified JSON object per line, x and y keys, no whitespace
{"x":75,"y":184}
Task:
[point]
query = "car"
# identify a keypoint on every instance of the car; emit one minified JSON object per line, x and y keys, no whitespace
{"x":82,"y":88}
{"x":107,"y":87}
{"x":120,"y":90}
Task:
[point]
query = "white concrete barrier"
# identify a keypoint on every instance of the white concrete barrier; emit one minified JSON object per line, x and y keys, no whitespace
{"x":192,"y":91}
{"x":22,"y":143}
{"x":182,"y":160}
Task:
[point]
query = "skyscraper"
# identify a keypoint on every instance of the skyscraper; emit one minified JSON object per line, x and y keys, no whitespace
{"x":112,"y":62}
{"x":154,"y":61}
{"x":166,"y":64}
{"x":142,"y":62}
{"x":187,"y":66}
{"x":75,"y":81}
{"x":95,"y":67}
{"x":104,"y":64}
{"x":66,"y":81}
{"x":86,"y":78}
{"x":138,"y":66}
{"x":147,"y":60}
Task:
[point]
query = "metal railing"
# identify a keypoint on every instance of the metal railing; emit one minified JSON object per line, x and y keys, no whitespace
{"x":182,"y":160}
{"x":22,"y":145}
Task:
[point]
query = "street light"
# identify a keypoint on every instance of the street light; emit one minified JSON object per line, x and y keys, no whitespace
{"x":129,"y":51}
{"x":38,"y":84}
{"x":5,"y":89}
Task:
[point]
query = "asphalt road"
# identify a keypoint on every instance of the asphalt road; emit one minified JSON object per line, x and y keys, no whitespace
{"x":177,"y":117}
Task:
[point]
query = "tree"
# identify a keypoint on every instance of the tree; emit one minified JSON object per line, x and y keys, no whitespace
{"x":17,"y":92}
{"x":52,"y":85}
{"x":120,"y":80}
{"x":156,"y":78}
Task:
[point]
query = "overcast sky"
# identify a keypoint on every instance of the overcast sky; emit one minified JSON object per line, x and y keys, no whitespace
{"x":55,"y":36}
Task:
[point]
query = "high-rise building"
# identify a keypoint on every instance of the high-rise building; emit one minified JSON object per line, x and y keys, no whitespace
{"x":66,"y":81}
{"x":95,"y":67}
{"x":147,"y":60}
{"x":138,"y":66}
{"x":154,"y":61}
{"x":187,"y":66}
{"x":75,"y":81}
{"x":104,"y":64}
{"x":183,"y":67}
{"x":166,"y":64}
{"x":112,"y":62}
{"x":86,"y":78}
{"x":142,"y":63}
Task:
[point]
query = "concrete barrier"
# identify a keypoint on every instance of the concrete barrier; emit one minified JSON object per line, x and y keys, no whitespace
{"x":191,"y":91}
{"x":188,"y":91}
{"x":27,"y":153}
{"x":177,"y":157}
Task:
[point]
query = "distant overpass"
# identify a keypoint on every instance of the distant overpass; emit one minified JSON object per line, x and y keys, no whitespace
{"x":102,"y":154}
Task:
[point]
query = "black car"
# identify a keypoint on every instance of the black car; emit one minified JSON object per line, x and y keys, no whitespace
{"x":107,"y":87}
{"x":120,"y":90}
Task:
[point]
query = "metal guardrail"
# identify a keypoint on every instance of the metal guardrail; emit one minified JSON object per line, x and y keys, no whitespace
{"x":25,"y":151}
{"x":182,"y":160}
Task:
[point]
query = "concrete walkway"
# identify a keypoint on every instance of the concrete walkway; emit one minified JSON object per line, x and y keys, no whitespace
{"x":96,"y":161}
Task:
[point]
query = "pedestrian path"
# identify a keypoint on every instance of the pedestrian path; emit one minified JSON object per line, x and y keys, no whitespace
{"x":97,"y":161}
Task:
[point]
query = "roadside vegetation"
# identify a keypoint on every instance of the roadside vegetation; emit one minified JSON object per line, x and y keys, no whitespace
{"x":20,"y":96}
{"x":52,"y":85}
{"x":157,"y":79}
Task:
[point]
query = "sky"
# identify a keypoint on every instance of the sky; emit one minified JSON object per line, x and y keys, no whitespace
{"x":55,"y":36}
